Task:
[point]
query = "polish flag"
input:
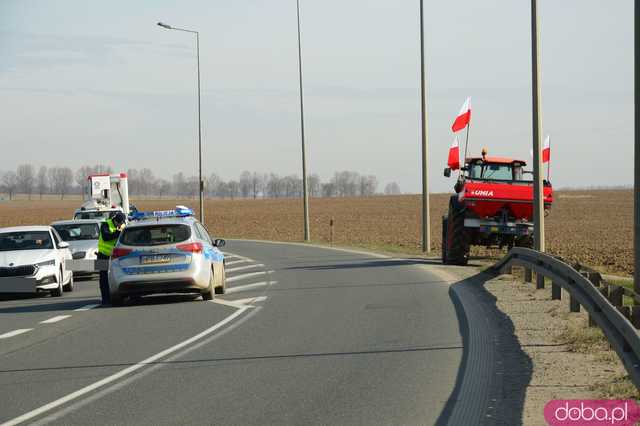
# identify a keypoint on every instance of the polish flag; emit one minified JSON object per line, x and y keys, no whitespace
{"x":463,"y":118}
{"x":546,"y":151}
{"x":454,"y":155}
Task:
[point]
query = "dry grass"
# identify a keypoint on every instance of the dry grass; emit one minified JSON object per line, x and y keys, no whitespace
{"x":592,"y":227}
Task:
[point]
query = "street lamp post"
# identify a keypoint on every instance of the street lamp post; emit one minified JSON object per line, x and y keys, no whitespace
{"x":305,"y":194}
{"x":200,"y":181}
{"x":426,"y":232}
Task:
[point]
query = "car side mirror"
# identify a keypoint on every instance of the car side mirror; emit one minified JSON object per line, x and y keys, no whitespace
{"x":63,"y":245}
{"x":219,"y":242}
{"x":447,"y":172}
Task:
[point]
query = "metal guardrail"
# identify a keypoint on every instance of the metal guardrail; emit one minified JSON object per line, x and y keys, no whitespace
{"x":602,"y":300}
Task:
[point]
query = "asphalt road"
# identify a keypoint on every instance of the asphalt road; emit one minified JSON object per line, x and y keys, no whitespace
{"x":304,"y":335}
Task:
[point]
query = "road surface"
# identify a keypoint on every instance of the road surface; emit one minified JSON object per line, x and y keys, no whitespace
{"x":304,"y":335}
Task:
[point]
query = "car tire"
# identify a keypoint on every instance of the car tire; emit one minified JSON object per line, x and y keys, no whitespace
{"x":208,"y":294}
{"x":57,"y":292}
{"x":222,"y":289}
{"x":69,"y":286}
{"x":116,"y":299}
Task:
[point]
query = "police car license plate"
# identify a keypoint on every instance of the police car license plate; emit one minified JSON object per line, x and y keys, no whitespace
{"x":155,"y":259}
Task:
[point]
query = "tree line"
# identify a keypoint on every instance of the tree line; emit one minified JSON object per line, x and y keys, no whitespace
{"x":36,"y":182}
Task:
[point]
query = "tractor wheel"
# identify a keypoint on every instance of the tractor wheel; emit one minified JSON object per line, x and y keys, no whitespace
{"x":444,"y":240}
{"x":457,"y":236}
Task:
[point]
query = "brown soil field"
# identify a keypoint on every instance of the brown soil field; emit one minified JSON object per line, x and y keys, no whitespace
{"x":592,"y":227}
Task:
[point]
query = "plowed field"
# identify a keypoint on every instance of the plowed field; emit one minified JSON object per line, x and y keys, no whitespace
{"x":592,"y":227}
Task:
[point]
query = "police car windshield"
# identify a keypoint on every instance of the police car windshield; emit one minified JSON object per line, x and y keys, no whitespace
{"x":154,"y":235}
{"x":26,"y":240}
{"x":76,"y":232}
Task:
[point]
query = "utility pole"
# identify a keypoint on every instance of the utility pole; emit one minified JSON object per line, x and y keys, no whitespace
{"x":538,"y":188}
{"x":305,"y":194}
{"x":426,"y":232}
{"x":636,"y":154}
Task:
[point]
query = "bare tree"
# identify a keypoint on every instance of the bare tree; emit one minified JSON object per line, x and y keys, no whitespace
{"x":368,"y":185}
{"x":328,"y":189}
{"x":10,"y":183}
{"x":61,"y":179}
{"x":233,"y":189}
{"x":42,"y":183}
{"x":147,"y":181}
{"x":245,"y":184}
{"x":179,"y":183}
{"x":392,"y":188}
{"x":163,"y":187}
{"x":25,"y":176}
{"x":313,"y":181}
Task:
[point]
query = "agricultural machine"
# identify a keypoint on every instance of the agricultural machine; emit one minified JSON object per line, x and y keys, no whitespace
{"x":492,"y":207}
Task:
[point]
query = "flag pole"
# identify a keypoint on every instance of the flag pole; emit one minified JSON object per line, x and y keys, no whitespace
{"x":466,"y":144}
{"x":549,"y":162}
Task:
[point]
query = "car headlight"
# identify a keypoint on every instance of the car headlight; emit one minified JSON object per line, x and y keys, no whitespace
{"x":47,"y":263}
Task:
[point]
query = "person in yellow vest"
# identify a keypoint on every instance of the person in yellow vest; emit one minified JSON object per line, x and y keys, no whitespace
{"x":109,"y":233}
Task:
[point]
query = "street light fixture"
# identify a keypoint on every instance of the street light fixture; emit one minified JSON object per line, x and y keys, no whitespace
{"x":200,"y":181}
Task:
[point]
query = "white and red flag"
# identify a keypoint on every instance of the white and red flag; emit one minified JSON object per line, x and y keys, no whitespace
{"x":546,"y":151}
{"x":454,"y":155}
{"x":463,"y":118}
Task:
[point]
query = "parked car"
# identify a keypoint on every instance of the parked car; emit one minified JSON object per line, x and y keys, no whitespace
{"x":33,"y":259}
{"x":166,"y":252}
{"x":82,"y":236}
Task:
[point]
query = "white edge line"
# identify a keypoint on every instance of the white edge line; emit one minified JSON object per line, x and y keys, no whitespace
{"x":249,"y":286}
{"x":15,"y":333}
{"x":55,"y":319}
{"x":100,"y":383}
{"x":237,"y":261}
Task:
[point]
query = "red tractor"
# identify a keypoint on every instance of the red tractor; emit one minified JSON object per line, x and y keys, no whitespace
{"x":492,"y":207}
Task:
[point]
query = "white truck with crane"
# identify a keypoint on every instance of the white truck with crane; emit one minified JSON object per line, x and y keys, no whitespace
{"x":109,"y":193}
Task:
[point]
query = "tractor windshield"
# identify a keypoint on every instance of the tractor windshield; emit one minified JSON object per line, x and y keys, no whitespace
{"x":495,"y":171}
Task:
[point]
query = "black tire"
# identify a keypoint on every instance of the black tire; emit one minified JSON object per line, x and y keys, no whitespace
{"x":444,"y":239}
{"x":208,"y":294}
{"x":222,"y":289}
{"x":457,"y":236}
{"x":116,"y":299}
{"x":57,"y":292}
{"x":70,"y":285}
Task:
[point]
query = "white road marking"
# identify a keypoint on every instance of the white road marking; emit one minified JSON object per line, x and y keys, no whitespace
{"x":245,"y":276}
{"x":239,"y":304}
{"x":55,"y":319}
{"x":248,"y":286}
{"x":242,"y":268}
{"x":235,"y":262}
{"x":122,"y":373}
{"x":14,"y":333}
{"x":86,"y":307}
{"x":251,"y":300}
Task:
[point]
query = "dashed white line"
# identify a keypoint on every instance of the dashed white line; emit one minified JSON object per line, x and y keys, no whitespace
{"x":15,"y":333}
{"x":245,"y":276}
{"x":86,"y":308}
{"x":55,"y":319}
{"x":242,"y":268}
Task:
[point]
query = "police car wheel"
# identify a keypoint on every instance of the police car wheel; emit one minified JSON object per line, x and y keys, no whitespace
{"x":222,"y":289}
{"x":116,"y":300}
{"x":208,"y":294}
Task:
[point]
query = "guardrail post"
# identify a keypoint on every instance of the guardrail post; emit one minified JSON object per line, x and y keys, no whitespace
{"x":635,"y":316}
{"x":574,"y":306}
{"x":615,"y":296}
{"x":556,"y":291}
{"x":539,"y":281}
{"x":528,"y":275}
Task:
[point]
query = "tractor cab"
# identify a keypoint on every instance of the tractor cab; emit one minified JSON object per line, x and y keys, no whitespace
{"x":494,"y":168}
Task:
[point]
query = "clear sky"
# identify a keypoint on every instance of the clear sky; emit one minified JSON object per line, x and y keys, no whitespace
{"x":77,"y":76}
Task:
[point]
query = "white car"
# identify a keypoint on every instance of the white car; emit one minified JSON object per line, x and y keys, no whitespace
{"x":32,"y":259}
{"x":82,"y":236}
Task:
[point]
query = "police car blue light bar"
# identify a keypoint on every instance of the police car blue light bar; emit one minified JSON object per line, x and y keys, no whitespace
{"x":179,"y":211}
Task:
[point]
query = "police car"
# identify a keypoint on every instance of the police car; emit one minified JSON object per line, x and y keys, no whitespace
{"x":166,"y":252}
